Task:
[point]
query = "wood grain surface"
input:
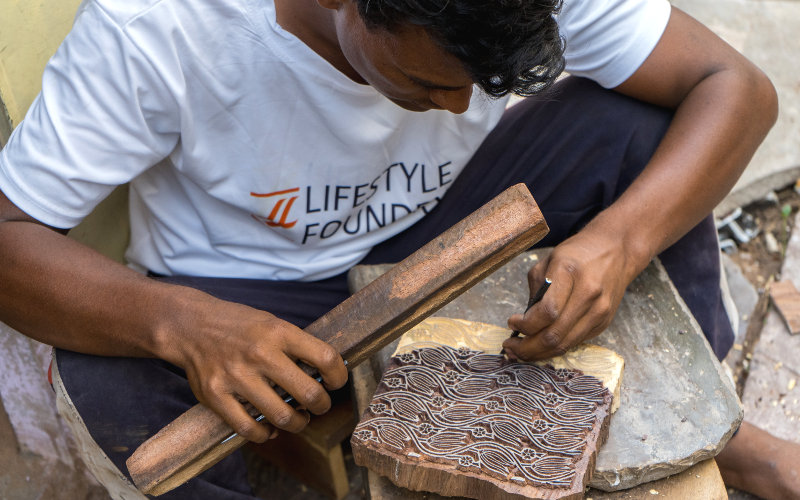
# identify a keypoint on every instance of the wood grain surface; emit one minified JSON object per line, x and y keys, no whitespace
{"x":415,"y":288}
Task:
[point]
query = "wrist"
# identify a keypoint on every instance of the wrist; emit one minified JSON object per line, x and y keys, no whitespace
{"x":636,"y":242}
{"x":178,"y":318}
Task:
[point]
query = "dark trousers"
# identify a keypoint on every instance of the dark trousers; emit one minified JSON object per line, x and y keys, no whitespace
{"x":577,"y":149}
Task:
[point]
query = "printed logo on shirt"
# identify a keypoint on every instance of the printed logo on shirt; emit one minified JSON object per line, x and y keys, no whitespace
{"x":283,"y":201}
{"x":347,"y":209}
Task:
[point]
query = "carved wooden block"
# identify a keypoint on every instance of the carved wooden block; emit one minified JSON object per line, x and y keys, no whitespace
{"x":462,"y":422}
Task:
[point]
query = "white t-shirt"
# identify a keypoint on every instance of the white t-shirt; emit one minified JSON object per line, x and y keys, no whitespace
{"x":248,"y":154}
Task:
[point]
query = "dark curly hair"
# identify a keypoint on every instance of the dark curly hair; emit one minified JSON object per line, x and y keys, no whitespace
{"x":507,"y":46}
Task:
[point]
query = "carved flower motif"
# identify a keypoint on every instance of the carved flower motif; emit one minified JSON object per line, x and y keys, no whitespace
{"x":378,"y":408}
{"x":437,"y":401}
{"x":408,"y":357}
{"x":504,"y":379}
{"x":478,"y":431}
{"x":363,"y":435}
{"x":551,"y":398}
{"x":452,"y":375}
{"x":528,"y":454}
{"x":564,"y":373}
{"x":539,"y":424}
{"x":466,"y":460}
{"x":463,"y":352}
{"x":425,"y":428}
{"x":492,"y":405}
{"x":394,"y":382}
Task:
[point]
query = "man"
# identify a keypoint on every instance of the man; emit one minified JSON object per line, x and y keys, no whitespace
{"x":304,"y":136}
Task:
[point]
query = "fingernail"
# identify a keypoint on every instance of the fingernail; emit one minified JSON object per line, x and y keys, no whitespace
{"x":274,"y":434}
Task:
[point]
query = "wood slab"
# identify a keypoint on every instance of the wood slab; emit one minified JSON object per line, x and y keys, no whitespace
{"x":455,"y":420}
{"x":678,"y":407}
{"x":365,"y":322}
{"x":786,"y":299}
{"x":701,"y":481}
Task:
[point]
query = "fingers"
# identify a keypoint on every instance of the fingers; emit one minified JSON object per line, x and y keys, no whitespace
{"x":570,"y":330}
{"x":240,"y":421}
{"x":261,"y":350}
{"x":280,"y":368}
{"x":306,"y":391}
{"x":320,"y":355}
{"x":278,"y":413}
{"x":576,"y":307}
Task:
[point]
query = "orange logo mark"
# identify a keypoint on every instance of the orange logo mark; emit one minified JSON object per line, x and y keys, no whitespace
{"x":284,"y":202}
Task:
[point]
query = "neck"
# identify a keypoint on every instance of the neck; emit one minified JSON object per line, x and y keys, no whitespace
{"x":315,"y":26}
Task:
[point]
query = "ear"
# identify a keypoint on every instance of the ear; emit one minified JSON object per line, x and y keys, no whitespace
{"x":331,"y":4}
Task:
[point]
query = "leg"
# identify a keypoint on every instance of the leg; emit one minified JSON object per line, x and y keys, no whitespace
{"x":577,"y":149}
{"x":123,"y":401}
{"x":760,"y":463}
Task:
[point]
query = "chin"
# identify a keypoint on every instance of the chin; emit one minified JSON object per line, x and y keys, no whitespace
{"x":413,"y":106}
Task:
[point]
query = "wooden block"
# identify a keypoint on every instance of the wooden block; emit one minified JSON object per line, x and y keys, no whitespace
{"x":787,"y":301}
{"x":458,"y":421}
{"x":701,"y":481}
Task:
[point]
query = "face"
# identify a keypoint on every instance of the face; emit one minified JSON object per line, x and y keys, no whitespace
{"x":405,"y":65}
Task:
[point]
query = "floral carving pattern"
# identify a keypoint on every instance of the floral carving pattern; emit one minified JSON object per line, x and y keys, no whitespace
{"x":472,"y":410}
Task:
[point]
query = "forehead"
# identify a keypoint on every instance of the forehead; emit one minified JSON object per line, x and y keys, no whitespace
{"x":417,"y":54}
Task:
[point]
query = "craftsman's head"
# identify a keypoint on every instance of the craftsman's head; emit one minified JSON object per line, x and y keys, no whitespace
{"x":426,"y":54}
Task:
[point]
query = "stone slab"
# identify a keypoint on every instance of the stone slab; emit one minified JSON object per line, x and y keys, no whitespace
{"x":744,"y":299}
{"x":678,"y":407}
{"x":743,"y":294}
{"x":38,"y":458}
{"x":772,"y":396}
{"x":28,"y":398}
{"x":765,"y":32}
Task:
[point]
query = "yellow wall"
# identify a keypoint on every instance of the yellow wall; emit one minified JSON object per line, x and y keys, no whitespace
{"x":30,"y":32}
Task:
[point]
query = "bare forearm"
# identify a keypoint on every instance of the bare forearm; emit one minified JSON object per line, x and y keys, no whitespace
{"x":719,"y":123}
{"x":64,"y":294}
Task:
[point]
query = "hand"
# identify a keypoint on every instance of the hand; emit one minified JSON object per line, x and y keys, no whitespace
{"x":233,"y":353}
{"x":590,"y":272}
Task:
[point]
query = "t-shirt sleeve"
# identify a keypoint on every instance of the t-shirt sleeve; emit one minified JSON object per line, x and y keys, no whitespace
{"x":607,"y":40}
{"x":103,"y":116}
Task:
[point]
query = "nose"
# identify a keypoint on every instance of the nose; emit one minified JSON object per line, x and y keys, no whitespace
{"x":454,"y":101}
